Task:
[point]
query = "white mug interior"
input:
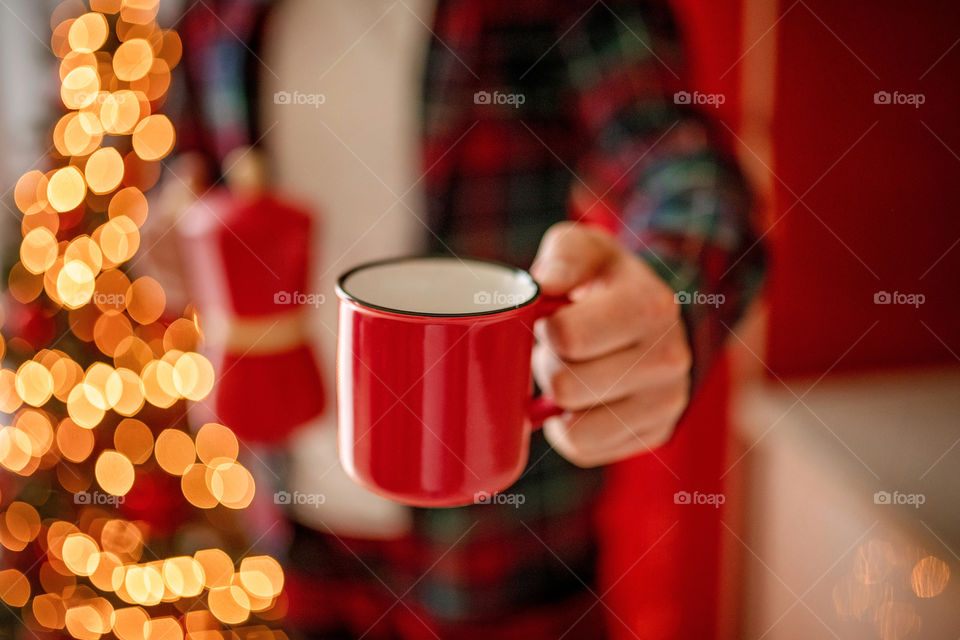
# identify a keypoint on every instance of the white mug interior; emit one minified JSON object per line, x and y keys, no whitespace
{"x":445,"y":286}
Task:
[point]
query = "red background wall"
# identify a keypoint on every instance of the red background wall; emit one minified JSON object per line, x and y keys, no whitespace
{"x":893,"y":199}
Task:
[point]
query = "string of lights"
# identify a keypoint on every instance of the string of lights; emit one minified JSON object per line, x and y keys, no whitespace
{"x":86,"y":422}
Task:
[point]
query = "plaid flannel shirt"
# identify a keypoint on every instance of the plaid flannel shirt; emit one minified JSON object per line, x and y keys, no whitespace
{"x":534,"y":112}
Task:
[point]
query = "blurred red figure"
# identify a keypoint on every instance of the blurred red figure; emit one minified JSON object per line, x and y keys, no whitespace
{"x":247,"y":255}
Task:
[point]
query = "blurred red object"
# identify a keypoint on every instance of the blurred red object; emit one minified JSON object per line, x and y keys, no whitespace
{"x":247,"y":257}
{"x":30,"y":323}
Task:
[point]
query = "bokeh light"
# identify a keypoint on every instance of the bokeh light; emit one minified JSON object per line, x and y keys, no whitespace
{"x":134,"y":439}
{"x":30,"y":192}
{"x":66,"y":189}
{"x":80,"y":88}
{"x":132,"y":59}
{"x":38,"y":251}
{"x":34,"y":383}
{"x":154,"y":137}
{"x":88,"y":33}
{"x":81,"y":223}
{"x":174,"y":451}
{"x":75,"y":284}
{"x":120,"y":112}
{"x":114,"y":473}
{"x":131,"y":203}
{"x":929,"y":577}
{"x":104,"y":170}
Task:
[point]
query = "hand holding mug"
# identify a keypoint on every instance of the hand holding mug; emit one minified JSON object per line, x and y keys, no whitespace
{"x":617,"y":358}
{"x":434,"y":366}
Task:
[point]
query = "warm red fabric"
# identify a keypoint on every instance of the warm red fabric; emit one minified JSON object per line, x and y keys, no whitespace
{"x":660,"y":561}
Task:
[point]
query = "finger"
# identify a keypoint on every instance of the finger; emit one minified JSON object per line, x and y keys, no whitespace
{"x":580,"y":385}
{"x":631,"y":305}
{"x":614,"y":431}
{"x":571,"y":254}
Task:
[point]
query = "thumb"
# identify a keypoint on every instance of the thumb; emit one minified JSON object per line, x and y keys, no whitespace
{"x":571,"y":254}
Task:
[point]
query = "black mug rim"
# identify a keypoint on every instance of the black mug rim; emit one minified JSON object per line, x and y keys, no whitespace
{"x":344,"y":294}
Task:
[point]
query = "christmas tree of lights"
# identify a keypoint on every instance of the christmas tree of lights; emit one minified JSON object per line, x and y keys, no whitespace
{"x":100,"y":467}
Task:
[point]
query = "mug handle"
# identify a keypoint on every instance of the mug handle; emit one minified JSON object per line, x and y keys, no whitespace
{"x":543,"y":407}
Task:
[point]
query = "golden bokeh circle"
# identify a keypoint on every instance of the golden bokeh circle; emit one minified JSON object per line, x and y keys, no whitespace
{"x":34,"y":383}
{"x":193,"y":485}
{"x":929,"y":577}
{"x":230,"y":605}
{"x":74,"y":442}
{"x":83,"y":411}
{"x":132,"y":59}
{"x":114,"y":473}
{"x":261,"y":576}
{"x":80,"y":88}
{"x":134,"y":439}
{"x":216,"y":441}
{"x":145,"y":300}
{"x":38,"y":250}
{"x":72,"y":135}
{"x":24,"y":286}
{"x":131,"y":203}
{"x":14,"y":588}
{"x":84,"y":249}
{"x":30,"y":192}
{"x":193,"y":376}
{"x":174,"y":451}
{"x":120,"y":112}
{"x":154,"y":137}
{"x":75,"y":284}
{"x":104,"y":170}
{"x":80,"y":554}
{"x":88,"y":32}
{"x":66,"y":189}
{"x":119,"y":239}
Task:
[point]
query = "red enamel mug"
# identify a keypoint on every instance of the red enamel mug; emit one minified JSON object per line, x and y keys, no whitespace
{"x":433,"y":377}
